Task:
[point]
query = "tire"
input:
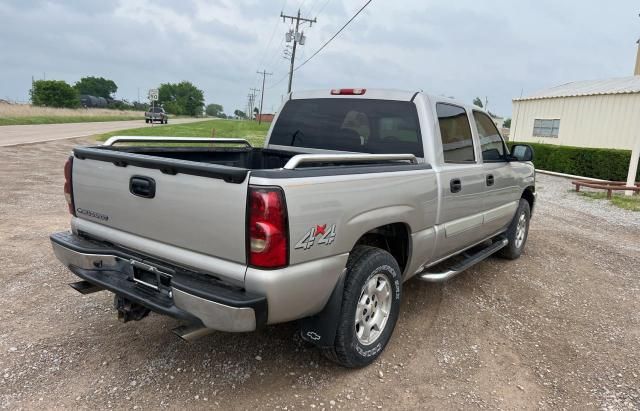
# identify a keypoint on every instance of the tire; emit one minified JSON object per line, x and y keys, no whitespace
{"x":517,"y":238}
{"x":367,"y":267}
{"x":146,"y":120}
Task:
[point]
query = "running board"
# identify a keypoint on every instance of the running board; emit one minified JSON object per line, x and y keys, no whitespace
{"x":85,"y":287}
{"x":464,"y":264}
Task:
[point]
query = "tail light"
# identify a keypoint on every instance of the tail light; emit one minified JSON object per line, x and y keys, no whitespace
{"x":68,"y":185}
{"x":267,"y":230}
{"x":348,"y":91}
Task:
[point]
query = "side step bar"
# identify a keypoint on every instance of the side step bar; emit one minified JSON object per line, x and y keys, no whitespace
{"x":464,"y":264}
{"x":85,"y":287}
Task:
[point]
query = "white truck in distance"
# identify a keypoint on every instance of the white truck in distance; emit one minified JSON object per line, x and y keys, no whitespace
{"x":354,"y":192}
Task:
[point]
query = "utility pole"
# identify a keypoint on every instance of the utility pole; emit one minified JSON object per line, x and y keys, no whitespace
{"x":253,"y":100}
{"x":296,"y":37}
{"x":264,"y":75}
{"x":249,"y":97}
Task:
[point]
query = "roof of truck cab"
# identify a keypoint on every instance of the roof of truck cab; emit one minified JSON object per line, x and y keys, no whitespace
{"x":377,"y":94}
{"x":381,"y":94}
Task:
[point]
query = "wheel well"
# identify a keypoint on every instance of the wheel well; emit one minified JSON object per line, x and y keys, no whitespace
{"x":527,"y":194}
{"x":393,"y":238}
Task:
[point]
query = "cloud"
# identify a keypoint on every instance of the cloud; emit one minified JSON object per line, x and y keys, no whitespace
{"x":466,"y":48}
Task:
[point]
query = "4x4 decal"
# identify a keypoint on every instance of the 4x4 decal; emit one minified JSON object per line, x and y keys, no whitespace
{"x":325,"y":235}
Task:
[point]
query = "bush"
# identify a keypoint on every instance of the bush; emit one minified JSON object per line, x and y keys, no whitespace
{"x":54,"y":93}
{"x":603,"y":163}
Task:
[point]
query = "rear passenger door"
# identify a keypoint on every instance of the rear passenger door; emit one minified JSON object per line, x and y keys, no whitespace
{"x":462,"y":182}
{"x":501,"y":188}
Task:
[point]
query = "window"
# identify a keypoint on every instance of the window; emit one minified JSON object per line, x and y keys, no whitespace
{"x":455,"y":132}
{"x":491,"y":143}
{"x":546,"y":128}
{"x":350,"y":124}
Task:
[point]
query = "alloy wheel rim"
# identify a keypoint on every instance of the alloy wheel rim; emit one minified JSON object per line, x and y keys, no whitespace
{"x":521,"y":230}
{"x":372,"y":311}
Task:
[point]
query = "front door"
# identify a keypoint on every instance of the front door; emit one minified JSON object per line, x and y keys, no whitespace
{"x":502,"y":191}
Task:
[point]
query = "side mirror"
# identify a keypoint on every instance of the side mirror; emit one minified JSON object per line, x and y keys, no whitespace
{"x":521,"y":152}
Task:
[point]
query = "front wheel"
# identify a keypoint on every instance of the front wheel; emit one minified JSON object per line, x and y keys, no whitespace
{"x":370,"y":307}
{"x":517,"y":232}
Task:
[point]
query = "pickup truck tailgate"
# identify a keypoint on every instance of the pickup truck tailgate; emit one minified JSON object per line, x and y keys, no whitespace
{"x":199,"y":213}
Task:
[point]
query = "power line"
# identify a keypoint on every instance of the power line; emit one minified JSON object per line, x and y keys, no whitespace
{"x":334,"y":36}
{"x":323,"y":6}
{"x":273,"y":33}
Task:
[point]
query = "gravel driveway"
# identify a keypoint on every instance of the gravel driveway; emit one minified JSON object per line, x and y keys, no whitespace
{"x":558,"y":328}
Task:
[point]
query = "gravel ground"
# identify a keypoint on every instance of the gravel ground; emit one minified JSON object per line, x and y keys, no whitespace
{"x":558,"y":328}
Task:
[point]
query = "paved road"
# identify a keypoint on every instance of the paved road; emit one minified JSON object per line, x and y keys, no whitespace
{"x":15,"y":135}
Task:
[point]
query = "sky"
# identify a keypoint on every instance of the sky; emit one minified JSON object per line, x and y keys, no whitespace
{"x":495,"y":49}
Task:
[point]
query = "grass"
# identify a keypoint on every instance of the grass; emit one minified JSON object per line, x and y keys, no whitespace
{"x":631,"y":203}
{"x":18,"y":114}
{"x":246,"y":129}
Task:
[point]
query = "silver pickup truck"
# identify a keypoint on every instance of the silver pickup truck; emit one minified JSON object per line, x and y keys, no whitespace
{"x":354,"y":192}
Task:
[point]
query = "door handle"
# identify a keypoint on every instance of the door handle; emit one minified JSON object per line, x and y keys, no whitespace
{"x":455,"y":185}
{"x":142,"y":186}
{"x":490,"y":180}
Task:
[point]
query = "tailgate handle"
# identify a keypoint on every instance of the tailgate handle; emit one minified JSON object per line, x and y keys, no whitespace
{"x":142,"y":186}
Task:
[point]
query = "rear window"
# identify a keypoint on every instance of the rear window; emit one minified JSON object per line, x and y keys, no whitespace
{"x":357,"y":125}
{"x":157,"y":110}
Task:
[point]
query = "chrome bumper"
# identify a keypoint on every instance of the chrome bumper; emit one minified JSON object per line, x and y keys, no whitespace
{"x":228,"y":309}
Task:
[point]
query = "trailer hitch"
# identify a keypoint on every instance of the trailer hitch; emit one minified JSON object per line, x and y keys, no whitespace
{"x":128,"y":310}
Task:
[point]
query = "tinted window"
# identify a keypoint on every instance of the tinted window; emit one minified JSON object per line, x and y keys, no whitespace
{"x":157,"y":110}
{"x":358,"y":125}
{"x":457,"y":142}
{"x":490,"y":141}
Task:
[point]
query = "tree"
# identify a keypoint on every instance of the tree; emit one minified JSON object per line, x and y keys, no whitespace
{"x":214,"y":110}
{"x":240,"y":114}
{"x":54,"y":93}
{"x":478,"y":102}
{"x":96,"y":86}
{"x":182,"y":98}
{"x":507,"y":123}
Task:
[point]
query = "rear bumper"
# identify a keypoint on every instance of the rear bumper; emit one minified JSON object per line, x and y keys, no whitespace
{"x":183,"y":294}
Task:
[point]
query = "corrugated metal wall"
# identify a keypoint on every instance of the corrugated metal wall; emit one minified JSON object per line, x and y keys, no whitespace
{"x":608,"y":121}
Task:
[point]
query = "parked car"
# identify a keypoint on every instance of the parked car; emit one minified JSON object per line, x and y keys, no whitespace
{"x":156,"y":114}
{"x":354,"y":192}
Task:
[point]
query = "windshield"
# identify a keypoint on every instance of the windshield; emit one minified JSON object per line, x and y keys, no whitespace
{"x":356,"y":125}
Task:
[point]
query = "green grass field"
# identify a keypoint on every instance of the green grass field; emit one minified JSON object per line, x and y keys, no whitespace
{"x":246,"y":129}
{"x":16,"y":121}
{"x":631,"y":203}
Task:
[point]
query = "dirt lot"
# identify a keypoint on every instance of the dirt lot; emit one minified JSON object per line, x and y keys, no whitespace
{"x":558,"y":328}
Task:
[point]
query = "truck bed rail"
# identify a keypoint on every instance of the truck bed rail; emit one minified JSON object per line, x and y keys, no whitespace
{"x":137,"y":139}
{"x":296,"y":160}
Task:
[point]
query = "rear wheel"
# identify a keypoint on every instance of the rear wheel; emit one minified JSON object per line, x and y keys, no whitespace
{"x":370,"y":307}
{"x":517,"y":232}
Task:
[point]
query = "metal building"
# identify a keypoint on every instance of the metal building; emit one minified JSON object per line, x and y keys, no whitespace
{"x":600,"y":113}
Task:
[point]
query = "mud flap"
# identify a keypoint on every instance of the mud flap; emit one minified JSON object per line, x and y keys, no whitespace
{"x":321,"y":328}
